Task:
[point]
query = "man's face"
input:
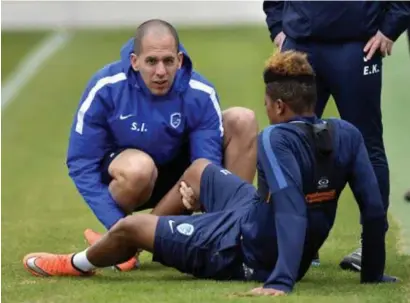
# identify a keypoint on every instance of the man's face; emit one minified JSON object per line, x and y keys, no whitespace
{"x":158,"y":62}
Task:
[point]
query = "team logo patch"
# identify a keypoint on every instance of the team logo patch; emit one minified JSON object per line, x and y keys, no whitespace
{"x":185,"y":229}
{"x":175,"y":120}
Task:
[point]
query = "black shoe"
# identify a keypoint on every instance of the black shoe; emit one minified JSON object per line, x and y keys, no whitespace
{"x":407,"y":196}
{"x":316,"y":260}
{"x":353,"y":261}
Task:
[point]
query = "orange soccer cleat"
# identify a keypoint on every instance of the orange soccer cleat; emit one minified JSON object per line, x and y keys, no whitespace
{"x":92,"y":237}
{"x":45,"y":265}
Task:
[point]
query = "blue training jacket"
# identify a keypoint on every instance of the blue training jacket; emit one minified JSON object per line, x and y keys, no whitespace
{"x":117,"y":110}
{"x":281,"y":232}
{"x":337,"y":20}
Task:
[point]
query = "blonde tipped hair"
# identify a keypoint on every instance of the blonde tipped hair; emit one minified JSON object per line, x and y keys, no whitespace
{"x":289,"y":77}
{"x":289,"y":63}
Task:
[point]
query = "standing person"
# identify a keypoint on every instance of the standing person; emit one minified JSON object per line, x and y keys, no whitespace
{"x":345,"y":42}
{"x":142,"y":120}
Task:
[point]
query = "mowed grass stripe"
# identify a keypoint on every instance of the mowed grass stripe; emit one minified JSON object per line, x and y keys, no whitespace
{"x":14,"y":46}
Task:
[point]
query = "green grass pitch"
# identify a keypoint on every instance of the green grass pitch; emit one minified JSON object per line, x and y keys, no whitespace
{"x":42,"y":211}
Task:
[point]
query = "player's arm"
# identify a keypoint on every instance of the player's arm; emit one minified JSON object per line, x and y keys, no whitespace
{"x":206,"y":138}
{"x":365,"y":188}
{"x":283,"y":175}
{"x":87,"y":146}
{"x":273,"y":12}
{"x":396,"y":19}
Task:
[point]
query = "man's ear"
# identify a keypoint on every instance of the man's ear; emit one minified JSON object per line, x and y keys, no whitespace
{"x":180,"y":59}
{"x":134,"y":61}
{"x":280,"y":107}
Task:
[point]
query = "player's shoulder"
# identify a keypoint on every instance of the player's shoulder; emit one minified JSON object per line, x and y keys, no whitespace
{"x":200,"y":87}
{"x":345,"y":129}
{"x":276,"y":135}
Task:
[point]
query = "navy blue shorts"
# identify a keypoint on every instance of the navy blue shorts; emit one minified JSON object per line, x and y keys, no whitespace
{"x":222,"y":190}
{"x":208,"y":245}
{"x":168,"y":174}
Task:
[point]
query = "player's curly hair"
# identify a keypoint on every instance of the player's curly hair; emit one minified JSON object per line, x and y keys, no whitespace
{"x":290,"y":77}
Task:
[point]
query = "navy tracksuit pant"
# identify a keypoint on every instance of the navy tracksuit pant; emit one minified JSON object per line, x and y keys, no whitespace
{"x":408,"y":36}
{"x":355,"y":85}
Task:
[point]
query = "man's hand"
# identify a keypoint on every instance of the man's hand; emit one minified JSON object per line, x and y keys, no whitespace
{"x":378,"y":41}
{"x":279,"y":39}
{"x":188,"y":197}
{"x":260,"y":291}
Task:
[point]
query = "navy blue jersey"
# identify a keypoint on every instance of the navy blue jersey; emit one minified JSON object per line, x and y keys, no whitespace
{"x":337,"y":20}
{"x":118,"y":111}
{"x":286,"y":229}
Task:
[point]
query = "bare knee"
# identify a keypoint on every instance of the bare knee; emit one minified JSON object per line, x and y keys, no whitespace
{"x":137,"y":231}
{"x":123,"y":229}
{"x":240,"y":122}
{"x":134,"y":174}
{"x":240,"y":142}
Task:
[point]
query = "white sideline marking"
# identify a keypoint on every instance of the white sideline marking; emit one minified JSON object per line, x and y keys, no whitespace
{"x":31,"y":64}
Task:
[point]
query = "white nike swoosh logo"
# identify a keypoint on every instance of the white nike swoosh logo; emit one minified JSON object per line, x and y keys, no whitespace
{"x":171,"y":225}
{"x":125,"y":117}
{"x":31,"y":263}
{"x":359,"y":268}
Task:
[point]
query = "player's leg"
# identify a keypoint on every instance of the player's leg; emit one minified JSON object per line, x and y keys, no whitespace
{"x":118,"y":245}
{"x":356,"y":86}
{"x":214,"y":189}
{"x":408,"y":37}
{"x":166,"y":177}
{"x":240,"y":147}
{"x":206,"y":246}
{"x":131,"y":175}
{"x":322,"y":86}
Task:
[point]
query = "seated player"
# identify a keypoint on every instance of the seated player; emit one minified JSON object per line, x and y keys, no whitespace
{"x":270,"y":234}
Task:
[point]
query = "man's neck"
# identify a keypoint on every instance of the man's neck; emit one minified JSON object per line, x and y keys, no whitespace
{"x":294,"y":116}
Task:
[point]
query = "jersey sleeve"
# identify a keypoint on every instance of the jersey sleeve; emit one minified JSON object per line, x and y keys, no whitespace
{"x":88,"y":143}
{"x":365,"y":188}
{"x":206,"y":139}
{"x":282,"y":172}
{"x":396,"y":19}
{"x":273,"y":11}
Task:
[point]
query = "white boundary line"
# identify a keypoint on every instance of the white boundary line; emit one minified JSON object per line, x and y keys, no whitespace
{"x":31,"y":64}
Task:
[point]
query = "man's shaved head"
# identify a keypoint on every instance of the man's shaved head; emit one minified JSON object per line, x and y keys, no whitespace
{"x":156,"y":55}
{"x":157,"y":27}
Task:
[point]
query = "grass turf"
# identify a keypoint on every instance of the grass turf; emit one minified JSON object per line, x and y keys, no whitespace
{"x":42,"y":211}
{"x":15,"y":45}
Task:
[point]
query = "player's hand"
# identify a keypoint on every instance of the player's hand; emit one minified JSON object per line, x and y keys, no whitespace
{"x":188,"y":197}
{"x":260,"y":291}
{"x":279,"y":39}
{"x":378,"y":42}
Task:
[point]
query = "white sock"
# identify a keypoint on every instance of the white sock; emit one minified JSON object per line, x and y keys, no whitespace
{"x":80,"y":261}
